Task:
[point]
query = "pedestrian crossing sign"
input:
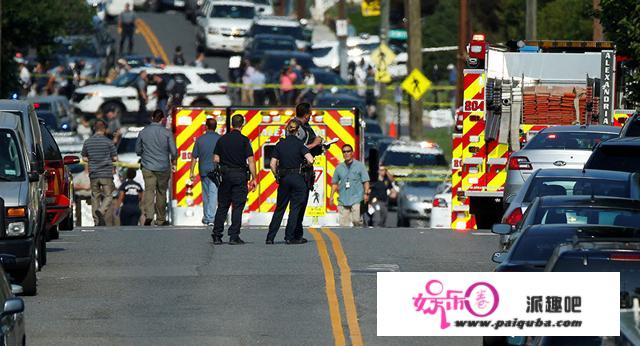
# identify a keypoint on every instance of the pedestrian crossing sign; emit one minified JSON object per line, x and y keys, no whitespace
{"x":370,"y":8}
{"x":382,"y":57}
{"x":416,"y":84}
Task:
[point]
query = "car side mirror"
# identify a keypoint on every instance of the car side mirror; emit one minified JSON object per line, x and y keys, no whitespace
{"x":16,"y":289}
{"x":70,"y":160}
{"x":34,"y":176}
{"x":498,"y":257}
{"x":12,"y":306}
{"x":502,"y":229}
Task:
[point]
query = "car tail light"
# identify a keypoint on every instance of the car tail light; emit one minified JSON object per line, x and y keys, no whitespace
{"x":439,"y":203}
{"x":626,"y":257}
{"x":519,"y":163}
{"x":514,"y":217}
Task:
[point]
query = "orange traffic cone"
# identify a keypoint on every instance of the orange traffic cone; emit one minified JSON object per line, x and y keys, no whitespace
{"x":392,"y":130}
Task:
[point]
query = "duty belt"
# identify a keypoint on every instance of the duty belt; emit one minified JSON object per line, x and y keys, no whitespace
{"x":286,"y":171}
{"x":227,"y":169}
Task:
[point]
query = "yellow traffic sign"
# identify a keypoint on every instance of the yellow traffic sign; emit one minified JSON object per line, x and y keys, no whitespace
{"x":416,"y":84}
{"x":382,"y":56}
{"x":383,"y":76}
{"x":370,"y":8}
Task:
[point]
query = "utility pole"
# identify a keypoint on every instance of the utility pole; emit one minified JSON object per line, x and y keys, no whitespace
{"x":342,"y":37}
{"x":412,"y":13}
{"x":462,"y":50}
{"x":597,"y":26}
{"x":301,"y":10}
{"x":531,"y":30}
{"x":385,"y":9}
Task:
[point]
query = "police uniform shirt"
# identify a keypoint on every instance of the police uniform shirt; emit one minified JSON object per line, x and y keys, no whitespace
{"x":290,"y":152}
{"x":132,"y":191}
{"x":233,"y":148}
{"x":309,"y":134}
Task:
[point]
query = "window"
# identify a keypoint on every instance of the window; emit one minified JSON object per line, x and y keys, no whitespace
{"x":293,"y":31}
{"x":568,"y":140}
{"x":576,"y":186}
{"x":230,"y":11}
{"x":125,"y":80}
{"x":588,"y":216}
{"x":321,"y":52}
{"x":51,"y":150}
{"x":127,"y":145}
{"x":267,"y":152}
{"x":539,"y":245}
{"x":615,"y":158}
{"x":210,"y":77}
{"x":275,"y":44}
{"x":10,"y":156}
{"x":397,"y":158}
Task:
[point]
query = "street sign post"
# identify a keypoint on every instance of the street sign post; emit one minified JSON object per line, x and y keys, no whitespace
{"x":416,"y":84}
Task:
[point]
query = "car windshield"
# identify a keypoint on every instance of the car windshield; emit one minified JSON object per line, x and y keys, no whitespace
{"x":49,"y":119}
{"x":587,"y":215}
{"x":328,"y":78}
{"x":42,"y":106}
{"x":127,"y":145}
{"x":125,"y":79}
{"x":615,"y":158}
{"x":576,"y":186}
{"x":293,"y":31}
{"x":276,"y":62}
{"x":399,"y":158}
{"x":10,"y":156}
{"x":538,"y":245}
{"x":373,"y":127}
{"x":422,"y":184}
{"x":568,"y":140}
{"x":210,"y":77}
{"x":275,"y":44}
{"x":232,"y":11}
{"x":320,"y":52}
{"x":81,"y":47}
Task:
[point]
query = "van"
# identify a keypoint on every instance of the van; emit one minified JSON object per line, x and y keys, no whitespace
{"x":22,"y":244}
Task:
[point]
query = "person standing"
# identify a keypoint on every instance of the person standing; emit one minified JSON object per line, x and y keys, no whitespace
{"x":258,"y":80}
{"x":127,"y":27}
{"x":129,"y":198}
{"x":178,"y":56}
{"x":286,"y":161}
{"x":199,"y":62}
{"x":381,"y":191}
{"x":351,"y":180}
{"x":24,"y":76}
{"x":247,"y":89}
{"x":203,"y":153}
{"x":100,"y":153}
{"x":143,"y":98}
{"x":157,"y":150}
{"x":162,"y":95}
{"x":233,"y":153}
{"x":287,"y":78}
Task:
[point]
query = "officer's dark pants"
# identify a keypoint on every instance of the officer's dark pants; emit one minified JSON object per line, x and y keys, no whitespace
{"x":130,"y":214}
{"x":127,"y":35}
{"x":232,"y":192}
{"x":303,"y":208}
{"x":292,"y":189}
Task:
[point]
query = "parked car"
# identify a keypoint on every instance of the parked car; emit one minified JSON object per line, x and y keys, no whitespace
{"x":631,"y":126}
{"x":346,"y":100}
{"x":620,"y":154}
{"x":30,"y":131}
{"x":223,"y":25}
{"x":127,"y":145}
{"x":415,"y":200}
{"x":326,"y":54}
{"x":59,"y":196}
{"x":405,"y":158}
{"x":379,"y":144}
{"x":441,"y":207}
{"x":570,"y":182}
{"x":264,"y":7}
{"x":12,"y":330}
{"x":137,"y":60}
{"x":161,"y":5}
{"x":258,"y":44}
{"x":56,"y":111}
{"x":281,"y":26}
{"x":204,"y":88}
{"x":555,"y":147}
{"x":191,"y":8}
{"x":22,"y":245}
{"x":97,"y":53}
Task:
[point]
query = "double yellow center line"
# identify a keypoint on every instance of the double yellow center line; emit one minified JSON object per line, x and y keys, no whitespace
{"x":152,"y":40}
{"x":346,"y":287}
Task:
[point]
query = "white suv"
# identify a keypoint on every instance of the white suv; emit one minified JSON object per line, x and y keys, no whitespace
{"x":204,"y":87}
{"x":222,"y":25}
{"x":281,"y":26}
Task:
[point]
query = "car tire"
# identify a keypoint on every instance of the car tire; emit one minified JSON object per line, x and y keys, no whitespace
{"x":201,"y":103}
{"x":43,"y":255}
{"x":112,"y":105}
{"x":67,"y":223}
{"x":53,"y":233}
{"x":29,"y":282}
{"x":403,"y":222}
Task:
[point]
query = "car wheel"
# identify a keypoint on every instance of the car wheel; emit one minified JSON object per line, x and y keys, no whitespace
{"x":402,"y":222}
{"x":115,"y":106}
{"x":67,"y":223}
{"x":43,"y":254}
{"x":201,"y":103}
{"x":53,"y":233}
{"x":29,"y":281}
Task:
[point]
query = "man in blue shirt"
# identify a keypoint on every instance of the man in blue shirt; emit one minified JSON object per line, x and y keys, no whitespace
{"x":351,"y":180}
{"x":203,"y":152}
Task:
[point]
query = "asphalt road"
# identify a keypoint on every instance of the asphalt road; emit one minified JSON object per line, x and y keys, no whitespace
{"x":152,"y":286}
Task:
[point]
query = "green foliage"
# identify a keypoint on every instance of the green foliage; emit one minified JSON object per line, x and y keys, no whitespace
{"x":566,"y":20}
{"x":621,"y":22}
{"x":33,"y":24}
{"x":440,"y":29}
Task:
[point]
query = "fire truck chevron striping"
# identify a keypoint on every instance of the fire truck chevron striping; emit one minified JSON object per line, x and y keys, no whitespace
{"x":264,"y":127}
{"x":512,"y":93}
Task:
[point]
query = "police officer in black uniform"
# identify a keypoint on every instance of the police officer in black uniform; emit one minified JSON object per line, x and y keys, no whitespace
{"x":286,"y":164}
{"x":234,"y":155}
{"x":314,"y":144}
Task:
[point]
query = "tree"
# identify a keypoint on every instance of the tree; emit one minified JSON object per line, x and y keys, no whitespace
{"x":621,"y":23}
{"x":33,"y":24}
{"x":566,"y":20}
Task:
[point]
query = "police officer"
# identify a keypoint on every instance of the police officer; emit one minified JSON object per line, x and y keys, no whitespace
{"x":233,"y":153}
{"x":286,"y":161}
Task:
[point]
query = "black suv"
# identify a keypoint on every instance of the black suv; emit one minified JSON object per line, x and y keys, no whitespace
{"x":618,"y":154}
{"x":631,"y":126}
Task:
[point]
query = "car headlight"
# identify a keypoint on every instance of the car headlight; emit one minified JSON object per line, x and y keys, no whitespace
{"x":412,"y":198}
{"x":213,"y":31}
{"x":16,"y":229}
{"x":94,"y":94}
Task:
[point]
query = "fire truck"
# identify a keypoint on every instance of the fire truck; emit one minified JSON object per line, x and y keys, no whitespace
{"x":264,"y":127}
{"x":513,"y":91}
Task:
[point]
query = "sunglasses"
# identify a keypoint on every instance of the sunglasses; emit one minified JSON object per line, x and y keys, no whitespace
{"x":347,"y":151}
